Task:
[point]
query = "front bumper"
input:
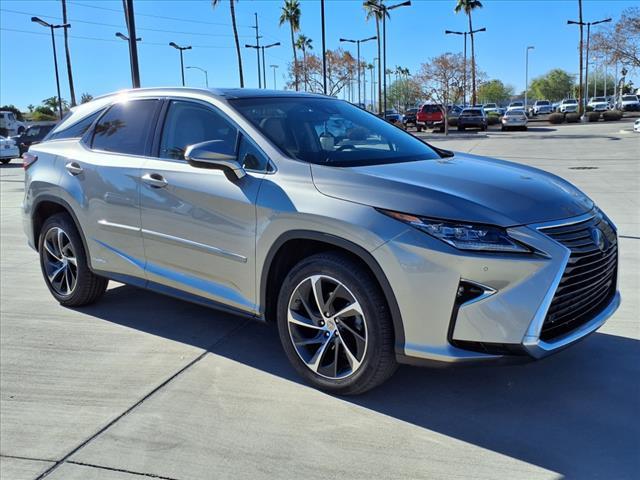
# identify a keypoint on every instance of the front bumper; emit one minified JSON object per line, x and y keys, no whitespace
{"x":426,"y":273}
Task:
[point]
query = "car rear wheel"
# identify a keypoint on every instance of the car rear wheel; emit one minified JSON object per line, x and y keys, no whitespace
{"x":335,"y":326}
{"x":4,"y":161}
{"x":419,"y":128}
{"x":64,"y":265}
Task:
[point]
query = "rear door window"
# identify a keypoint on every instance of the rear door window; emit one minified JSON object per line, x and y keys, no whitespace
{"x":126,"y":128}
{"x":76,"y":130}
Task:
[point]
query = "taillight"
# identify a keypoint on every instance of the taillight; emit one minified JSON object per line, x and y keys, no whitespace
{"x":28,"y":159}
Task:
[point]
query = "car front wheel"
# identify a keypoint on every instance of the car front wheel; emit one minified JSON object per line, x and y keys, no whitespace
{"x":335,"y":325}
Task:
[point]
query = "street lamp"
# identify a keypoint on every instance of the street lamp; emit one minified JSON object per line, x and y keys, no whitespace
{"x":274,"y":75}
{"x":526,"y":77}
{"x":464,"y":74}
{"x":206,"y":74}
{"x":264,"y":68}
{"x":586,"y":73}
{"x":124,"y":37}
{"x":138,"y":39}
{"x":181,"y":49}
{"x":55,"y":56}
{"x":358,"y":42}
{"x":383,"y":9}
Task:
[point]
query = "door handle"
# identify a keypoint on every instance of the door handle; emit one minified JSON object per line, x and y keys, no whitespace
{"x":73,"y":168}
{"x":155,"y":180}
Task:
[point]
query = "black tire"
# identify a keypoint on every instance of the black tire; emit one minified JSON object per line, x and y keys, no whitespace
{"x":378,"y":362}
{"x":524,"y":129}
{"x":460,"y":129}
{"x":419,"y":128}
{"x":503,"y":128}
{"x":89,"y":287}
{"x":4,"y":161}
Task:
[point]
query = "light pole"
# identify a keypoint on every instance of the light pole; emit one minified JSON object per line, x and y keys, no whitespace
{"x":181,"y":49}
{"x":264,"y":65}
{"x":206,"y":74}
{"x":384,"y":11}
{"x":464,"y":74}
{"x":358,"y":42}
{"x":586,"y":73}
{"x":122,"y":36}
{"x":274,"y":75}
{"x":55,"y":56}
{"x":526,"y":77}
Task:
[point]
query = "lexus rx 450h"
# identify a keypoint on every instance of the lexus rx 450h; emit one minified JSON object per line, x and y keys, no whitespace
{"x":366,"y":246}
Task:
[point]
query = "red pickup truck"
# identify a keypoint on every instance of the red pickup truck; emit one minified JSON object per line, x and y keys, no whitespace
{"x":430,"y":116}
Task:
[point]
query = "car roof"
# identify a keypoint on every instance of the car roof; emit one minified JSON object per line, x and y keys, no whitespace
{"x":223,"y":93}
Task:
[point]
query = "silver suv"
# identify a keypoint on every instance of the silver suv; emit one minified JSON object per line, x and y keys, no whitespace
{"x":365,"y":245}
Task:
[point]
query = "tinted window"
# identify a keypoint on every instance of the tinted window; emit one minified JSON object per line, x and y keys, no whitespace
{"x":126,"y":127}
{"x":628,"y":98}
{"x":77,"y":129}
{"x":431,"y":109}
{"x":471,"y":113}
{"x":188,"y":123}
{"x":328,"y":131}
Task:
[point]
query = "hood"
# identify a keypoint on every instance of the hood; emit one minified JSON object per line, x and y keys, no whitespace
{"x":463,"y":187}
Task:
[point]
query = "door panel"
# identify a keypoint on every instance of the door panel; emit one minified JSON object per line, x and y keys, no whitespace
{"x":199,"y":231}
{"x":106,"y":194}
{"x":198,"y":225}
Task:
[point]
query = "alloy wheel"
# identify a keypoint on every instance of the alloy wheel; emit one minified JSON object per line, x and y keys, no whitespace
{"x":327,"y":327}
{"x":60,"y":262}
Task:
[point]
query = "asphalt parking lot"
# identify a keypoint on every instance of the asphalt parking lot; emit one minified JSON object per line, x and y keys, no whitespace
{"x":140,"y":385}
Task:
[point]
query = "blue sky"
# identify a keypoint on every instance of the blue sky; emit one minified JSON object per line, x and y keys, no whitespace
{"x":101,"y":64}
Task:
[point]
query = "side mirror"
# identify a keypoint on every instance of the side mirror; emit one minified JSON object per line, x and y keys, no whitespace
{"x":214,"y":154}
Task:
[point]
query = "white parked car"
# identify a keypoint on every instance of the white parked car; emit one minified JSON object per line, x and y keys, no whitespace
{"x":636,"y":126}
{"x":568,"y":105}
{"x":629,"y":103}
{"x":491,"y":108}
{"x":10,"y":125}
{"x":515,"y":106}
{"x":515,"y":119}
{"x":8,"y":150}
{"x":599,"y":104}
{"x":541,"y":107}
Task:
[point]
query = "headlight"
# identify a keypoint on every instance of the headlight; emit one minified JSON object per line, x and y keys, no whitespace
{"x":463,"y":236}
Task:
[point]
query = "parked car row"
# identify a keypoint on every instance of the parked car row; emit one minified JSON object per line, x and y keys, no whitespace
{"x":15,"y":146}
{"x":8,"y":150}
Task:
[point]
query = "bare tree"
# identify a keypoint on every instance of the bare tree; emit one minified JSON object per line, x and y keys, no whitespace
{"x":340,"y":69}
{"x":441,"y":81}
{"x":620,"y":42}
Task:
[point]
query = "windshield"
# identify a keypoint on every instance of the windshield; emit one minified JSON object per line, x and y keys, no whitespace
{"x":471,"y":113}
{"x":490,"y":105}
{"x":630,"y":98}
{"x":514,"y":113}
{"x":569,"y":101}
{"x":328,"y":131}
{"x":516,"y":104}
{"x":542,"y":102}
{"x":599,"y":99}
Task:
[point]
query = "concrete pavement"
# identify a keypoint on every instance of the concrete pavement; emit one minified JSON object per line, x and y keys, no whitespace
{"x":140,"y":385}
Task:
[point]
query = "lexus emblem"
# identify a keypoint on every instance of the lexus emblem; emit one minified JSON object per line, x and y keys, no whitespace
{"x":598,"y":239}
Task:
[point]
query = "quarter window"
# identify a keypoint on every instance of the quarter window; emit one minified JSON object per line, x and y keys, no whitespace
{"x":76,"y":130}
{"x":126,"y":128}
{"x":188,"y":123}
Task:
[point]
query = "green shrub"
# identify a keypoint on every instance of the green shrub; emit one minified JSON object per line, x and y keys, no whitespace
{"x":556,"y":118}
{"x":593,"y":116}
{"x":38,"y":116}
{"x":453,"y":121}
{"x":493,"y":119}
{"x":610,"y":115}
{"x":589,"y":108}
{"x":573,"y":117}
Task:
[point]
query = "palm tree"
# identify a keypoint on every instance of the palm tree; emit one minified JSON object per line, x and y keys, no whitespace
{"x":304,"y":43}
{"x":291,"y":14}
{"x":373,"y":10}
{"x":86,"y":97}
{"x":468,"y":6}
{"x":232,"y":7}
{"x":72,"y":90}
